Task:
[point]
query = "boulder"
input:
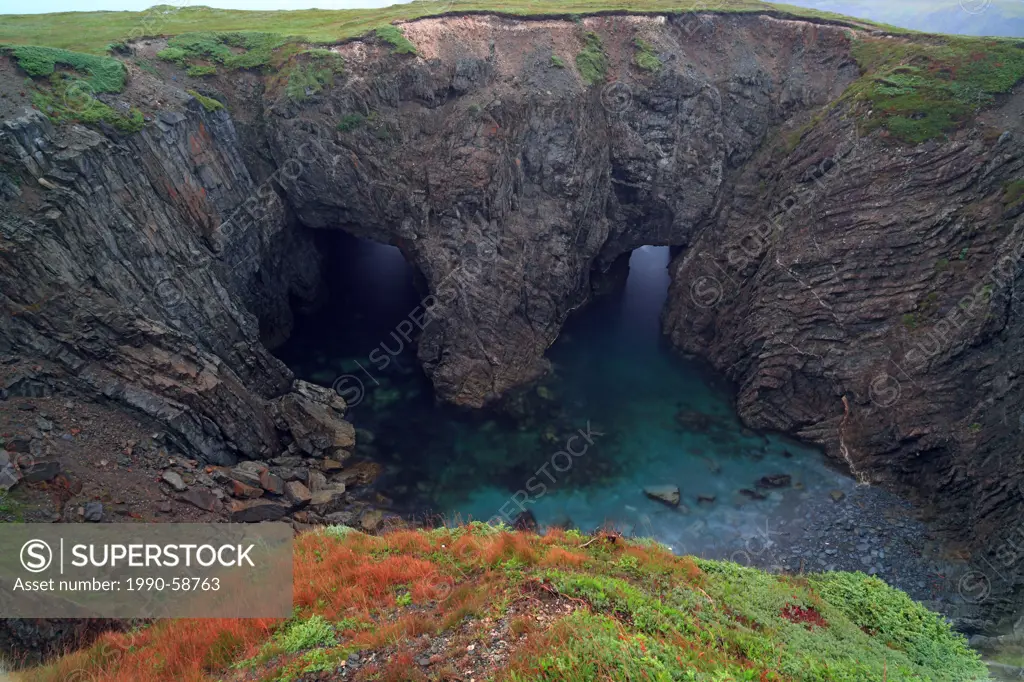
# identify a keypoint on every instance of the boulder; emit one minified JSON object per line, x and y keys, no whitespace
{"x":328,"y":500}
{"x":317,"y":481}
{"x":666,"y":494}
{"x":346,"y":517}
{"x":244,"y":490}
{"x":40,"y":470}
{"x":297,"y":494}
{"x":359,"y":474}
{"x":252,"y":466}
{"x":525,"y":521}
{"x":249,"y":478}
{"x":254,"y":511}
{"x":330,"y":465}
{"x":752,"y":494}
{"x":371,"y":520}
{"x":9,"y":477}
{"x":174,"y":479}
{"x":271,"y":483}
{"x":836,"y":495}
{"x":93,"y":512}
{"x":709,"y":499}
{"x":202,"y":498}
{"x":313,"y":415}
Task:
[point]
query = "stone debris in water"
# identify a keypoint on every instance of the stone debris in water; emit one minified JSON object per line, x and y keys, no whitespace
{"x":667,"y":494}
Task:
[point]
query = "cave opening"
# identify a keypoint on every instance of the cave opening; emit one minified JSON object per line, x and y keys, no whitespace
{"x":367,"y":289}
{"x":620,"y":412}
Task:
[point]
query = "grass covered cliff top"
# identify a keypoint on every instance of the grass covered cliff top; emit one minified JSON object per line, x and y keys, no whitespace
{"x":915,"y":87}
{"x":489,"y":603}
{"x":93,"y":31}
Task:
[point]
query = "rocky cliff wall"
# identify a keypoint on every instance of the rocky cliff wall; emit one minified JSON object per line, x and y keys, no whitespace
{"x":119,"y":270}
{"x":506,"y":179}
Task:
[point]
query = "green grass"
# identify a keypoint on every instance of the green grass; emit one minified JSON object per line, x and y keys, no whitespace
{"x":252,"y":49}
{"x":11,"y":509}
{"x":209,"y":103}
{"x":627,"y":611}
{"x":105,"y":74}
{"x":592,"y":62}
{"x":312,"y":74}
{"x":557,"y":62}
{"x":68,"y":99}
{"x":926,"y":87}
{"x":394,"y":36}
{"x":195,"y":71}
{"x":92,"y":32}
{"x":645,"y":58}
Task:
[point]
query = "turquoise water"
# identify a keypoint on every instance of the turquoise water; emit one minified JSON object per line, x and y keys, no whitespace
{"x":641,"y":416}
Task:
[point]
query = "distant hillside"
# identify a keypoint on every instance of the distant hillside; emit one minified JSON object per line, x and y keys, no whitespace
{"x":966,"y":17}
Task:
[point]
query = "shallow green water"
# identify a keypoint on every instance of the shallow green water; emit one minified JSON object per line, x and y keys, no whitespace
{"x":621,"y":411}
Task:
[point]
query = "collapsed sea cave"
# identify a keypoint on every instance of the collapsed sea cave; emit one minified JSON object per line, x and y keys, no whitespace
{"x":547,"y":390}
{"x":622,"y":432}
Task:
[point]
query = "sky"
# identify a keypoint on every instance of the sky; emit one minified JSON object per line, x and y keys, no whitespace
{"x":43,"y":6}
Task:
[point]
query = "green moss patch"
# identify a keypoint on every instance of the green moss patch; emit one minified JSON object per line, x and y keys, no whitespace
{"x":202,"y":70}
{"x":645,"y":58}
{"x":592,"y":62}
{"x":311,"y":73}
{"x":105,"y":74}
{"x":235,"y":50}
{"x":209,"y":103}
{"x":394,"y":37}
{"x":70,"y":99}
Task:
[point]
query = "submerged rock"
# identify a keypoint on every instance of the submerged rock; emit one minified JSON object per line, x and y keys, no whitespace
{"x":775,"y":481}
{"x":666,"y":494}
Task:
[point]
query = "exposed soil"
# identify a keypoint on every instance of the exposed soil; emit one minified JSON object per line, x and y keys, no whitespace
{"x":105,"y":453}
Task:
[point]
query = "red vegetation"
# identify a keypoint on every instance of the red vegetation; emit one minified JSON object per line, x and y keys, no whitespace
{"x":808,"y":615}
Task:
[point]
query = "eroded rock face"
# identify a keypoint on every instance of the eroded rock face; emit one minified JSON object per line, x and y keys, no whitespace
{"x":867,"y":297}
{"x":505,"y":180}
{"x":117,"y":267}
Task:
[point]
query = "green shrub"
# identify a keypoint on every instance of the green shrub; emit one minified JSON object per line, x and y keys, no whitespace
{"x":350,"y":122}
{"x":198,"y":71}
{"x":557,"y":62}
{"x":209,"y":103}
{"x":256,"y":48}
{"x":592,"y":62}
{"x":394,"y":36}
{"x":315,"y":631}
{"x":173,"y":54}
{"x":903,"y":625}
{"x":645,"y":57}
{"x":105,"y":73}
